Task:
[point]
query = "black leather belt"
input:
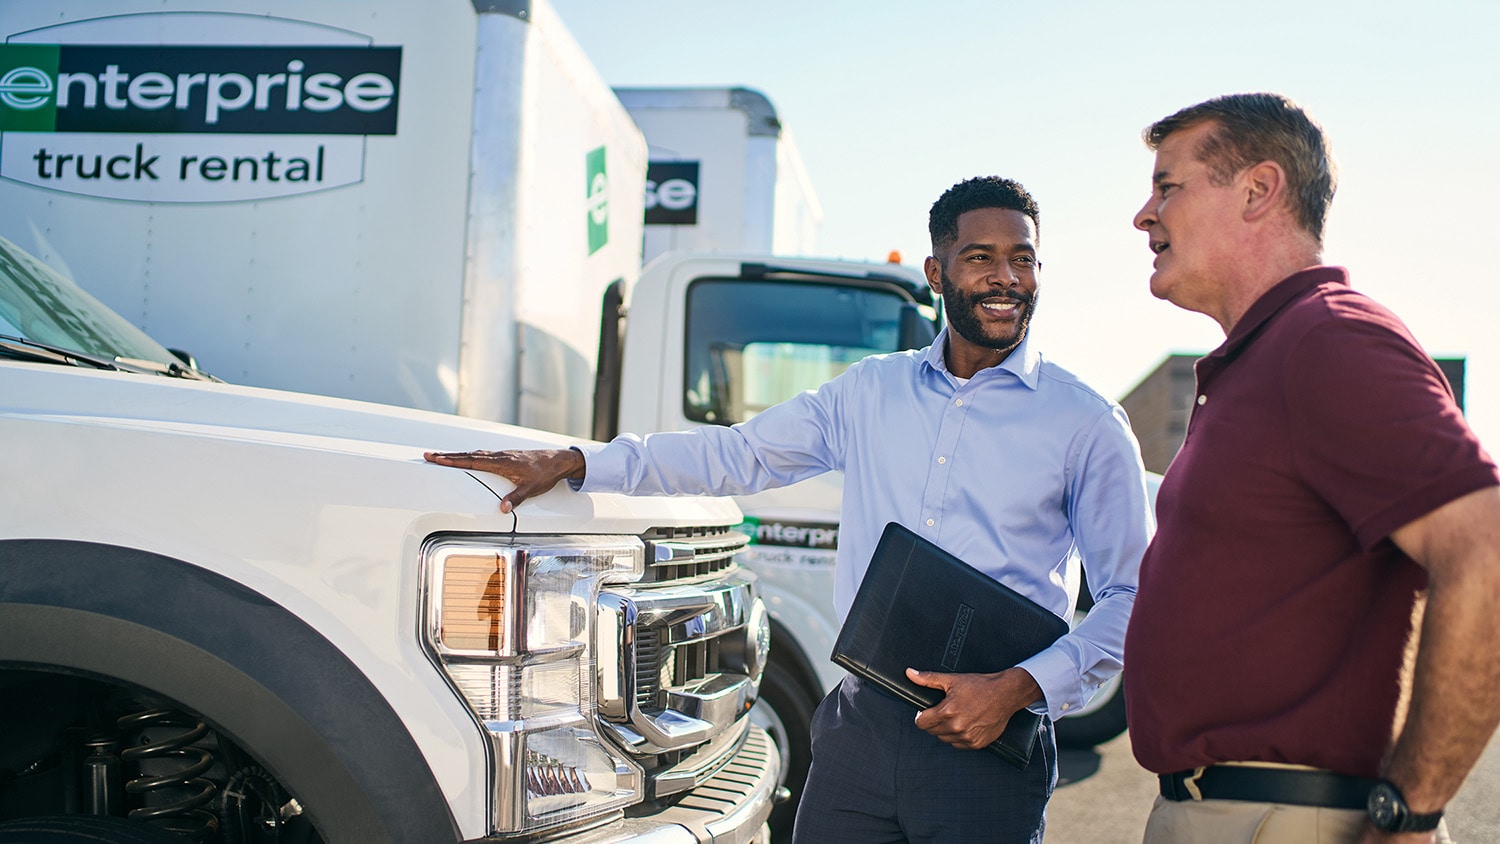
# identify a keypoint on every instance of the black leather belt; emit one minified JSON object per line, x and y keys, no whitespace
{"x":1271,"y":785}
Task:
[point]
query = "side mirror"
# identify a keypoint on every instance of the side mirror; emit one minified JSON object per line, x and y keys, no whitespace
{"x":184,"y":357}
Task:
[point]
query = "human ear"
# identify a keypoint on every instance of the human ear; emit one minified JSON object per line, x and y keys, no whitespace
{"x":1264,"y":184}
{"x":934,"y":271}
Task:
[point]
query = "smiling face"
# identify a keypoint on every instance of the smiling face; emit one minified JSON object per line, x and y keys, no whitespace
{"x":988,"y":281}
{"x":1190,"y":222}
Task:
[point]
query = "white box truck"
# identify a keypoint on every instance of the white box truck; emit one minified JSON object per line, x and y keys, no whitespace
{"x":725,"y":174}
{"x":394,"y":202}
{"x":233,"y":614}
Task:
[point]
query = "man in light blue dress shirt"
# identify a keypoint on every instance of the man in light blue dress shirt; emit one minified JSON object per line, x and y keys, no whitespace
{"x":977,"y":443}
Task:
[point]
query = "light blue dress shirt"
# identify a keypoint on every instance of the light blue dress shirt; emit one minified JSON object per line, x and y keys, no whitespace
{"x":1019,"y":471}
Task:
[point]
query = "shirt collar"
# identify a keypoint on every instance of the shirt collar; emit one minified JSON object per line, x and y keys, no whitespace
{"x":1273,"y":301}
{"x":1023,"y":362}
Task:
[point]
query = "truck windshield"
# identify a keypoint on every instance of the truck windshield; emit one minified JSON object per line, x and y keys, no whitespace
{"x":751,"y":344}
{"x":38,"y":304}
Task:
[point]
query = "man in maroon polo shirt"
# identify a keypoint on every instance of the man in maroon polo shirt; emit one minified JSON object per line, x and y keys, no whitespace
{"x":1327,"y":489}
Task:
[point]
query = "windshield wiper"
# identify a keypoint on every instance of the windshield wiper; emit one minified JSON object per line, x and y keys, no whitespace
{"x":24,"y":349}
{"x":44,"y":353}
{"x":171,"y":369}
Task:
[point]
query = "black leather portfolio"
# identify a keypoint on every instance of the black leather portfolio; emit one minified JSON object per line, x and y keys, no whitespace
{"x":921,"y":607}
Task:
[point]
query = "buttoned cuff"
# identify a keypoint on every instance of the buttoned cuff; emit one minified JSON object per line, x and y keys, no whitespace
{"x":600,"y":473}
{"x":1055,"y":672}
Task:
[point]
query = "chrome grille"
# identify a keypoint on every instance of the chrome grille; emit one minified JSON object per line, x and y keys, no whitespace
{"x":690,"y":643}
{"x":659,"y":666}
{"x":651,"y":658}
{"x":675,"y":554}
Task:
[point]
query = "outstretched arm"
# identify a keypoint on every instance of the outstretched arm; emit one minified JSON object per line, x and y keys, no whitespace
{"x":533,"y":471}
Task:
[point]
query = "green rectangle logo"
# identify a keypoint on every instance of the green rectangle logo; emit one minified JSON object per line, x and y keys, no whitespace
{"x":28,"y":80}
{"x":598,"y":201}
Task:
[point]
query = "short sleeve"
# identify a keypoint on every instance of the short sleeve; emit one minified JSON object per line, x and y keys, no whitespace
{"x":1374,"y":428}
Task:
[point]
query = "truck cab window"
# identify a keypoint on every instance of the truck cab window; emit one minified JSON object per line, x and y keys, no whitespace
{"x":36,"y":303}
{"x":751,"y":344}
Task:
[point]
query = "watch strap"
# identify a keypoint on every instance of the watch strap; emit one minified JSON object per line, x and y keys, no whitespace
{"x":1397,"y":815}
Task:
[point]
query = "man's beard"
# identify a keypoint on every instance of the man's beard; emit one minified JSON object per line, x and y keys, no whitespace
{"x":960,"y":310}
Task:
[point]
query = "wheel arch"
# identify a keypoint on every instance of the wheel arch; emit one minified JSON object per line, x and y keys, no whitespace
{"x":257,"y":672}
{"x":787,"y":651}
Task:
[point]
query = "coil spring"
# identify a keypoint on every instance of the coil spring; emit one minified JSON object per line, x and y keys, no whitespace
{"x":178,"y":794}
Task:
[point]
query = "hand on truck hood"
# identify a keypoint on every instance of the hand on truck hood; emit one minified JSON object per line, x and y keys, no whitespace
{"x":533,"y":471}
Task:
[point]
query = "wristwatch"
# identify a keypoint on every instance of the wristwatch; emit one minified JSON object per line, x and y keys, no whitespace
{"x":1389,"y":813}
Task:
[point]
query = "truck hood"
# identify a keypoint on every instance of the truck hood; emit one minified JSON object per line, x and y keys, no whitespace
{"x":317,"y":433}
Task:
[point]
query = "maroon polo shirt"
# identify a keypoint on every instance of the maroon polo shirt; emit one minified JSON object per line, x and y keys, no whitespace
{"x":1273,"y":608}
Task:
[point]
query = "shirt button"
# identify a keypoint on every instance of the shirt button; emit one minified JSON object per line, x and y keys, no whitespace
{"x":958,"y":402}
{"x":929,"y":523}
{"x":1202,"y":400}
{"x":942,"y":460}
{"x":1065,"y":707}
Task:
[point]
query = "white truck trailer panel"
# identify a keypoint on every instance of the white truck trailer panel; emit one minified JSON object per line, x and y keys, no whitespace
{"x":732,"y":178}
{"x":372,"y":214}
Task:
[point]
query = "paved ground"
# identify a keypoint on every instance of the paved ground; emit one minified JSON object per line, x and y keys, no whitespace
{"x":1103,"y":798}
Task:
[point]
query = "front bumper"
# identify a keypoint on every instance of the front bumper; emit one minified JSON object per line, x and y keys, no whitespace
{"x":730,"y":807}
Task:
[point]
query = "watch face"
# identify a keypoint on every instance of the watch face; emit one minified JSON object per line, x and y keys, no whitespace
{"x":1385,"y":809}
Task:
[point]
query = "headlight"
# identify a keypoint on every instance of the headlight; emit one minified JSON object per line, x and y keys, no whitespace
{"x":512,"y":624}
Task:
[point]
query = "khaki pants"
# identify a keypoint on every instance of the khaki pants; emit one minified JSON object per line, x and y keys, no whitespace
{"x":1239,"y":822}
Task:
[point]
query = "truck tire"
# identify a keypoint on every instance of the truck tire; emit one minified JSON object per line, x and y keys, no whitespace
{"x":785,"y":712}
{"x":78,"y":829}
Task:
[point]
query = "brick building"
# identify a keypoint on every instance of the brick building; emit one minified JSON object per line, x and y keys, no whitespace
{"x":1159,"y":406}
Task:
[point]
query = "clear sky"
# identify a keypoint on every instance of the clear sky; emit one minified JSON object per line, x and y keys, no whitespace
{"x":890,"y":103}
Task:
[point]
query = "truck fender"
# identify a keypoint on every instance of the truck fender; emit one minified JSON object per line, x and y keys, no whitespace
{"x":796,"y":621}
{"x":252,"y":669}
{"x":786,"y":651}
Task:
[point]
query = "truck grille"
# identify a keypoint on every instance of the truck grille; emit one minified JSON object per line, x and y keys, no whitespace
{"x":660,"y":666}
{"x":688,"y":553}
{"x":688,"y":643}
{"x":651,"y":657}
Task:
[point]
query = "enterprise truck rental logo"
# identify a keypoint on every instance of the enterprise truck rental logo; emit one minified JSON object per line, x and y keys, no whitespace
{"x":598,"y":199}
{"x":117,"y":118}
{"x":791,"y":534}
{"x":672,"y":193}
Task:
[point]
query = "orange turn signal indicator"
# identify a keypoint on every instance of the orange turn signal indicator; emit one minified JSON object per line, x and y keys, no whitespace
{"x":474,"y":609}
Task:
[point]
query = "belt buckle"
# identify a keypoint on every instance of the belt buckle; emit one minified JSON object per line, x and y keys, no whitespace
{"x":1190,"y":782}
{"x":1182,"y":785}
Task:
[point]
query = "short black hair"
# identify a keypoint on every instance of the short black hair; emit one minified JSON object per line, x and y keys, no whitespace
{"x":972,"y":194}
